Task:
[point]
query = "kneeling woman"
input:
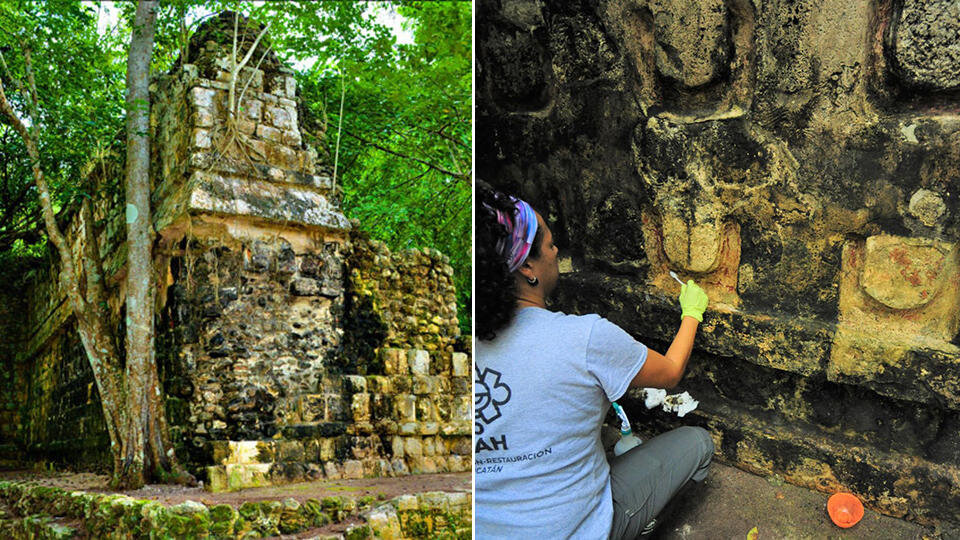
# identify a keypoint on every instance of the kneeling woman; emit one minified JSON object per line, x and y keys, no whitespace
{"x":544,"y":382}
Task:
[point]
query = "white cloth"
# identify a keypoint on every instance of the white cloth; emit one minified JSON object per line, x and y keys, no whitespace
{"x":542,"y":389}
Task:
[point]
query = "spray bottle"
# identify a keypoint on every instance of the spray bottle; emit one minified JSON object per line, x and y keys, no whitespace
{"x":627,"y":439}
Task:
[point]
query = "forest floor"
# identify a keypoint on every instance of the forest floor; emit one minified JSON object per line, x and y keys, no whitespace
{"x":731,"y":502}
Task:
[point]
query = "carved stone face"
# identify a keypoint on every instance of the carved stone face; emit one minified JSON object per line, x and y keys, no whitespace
{"x":691,"y":39}
{"x":699,"y":188}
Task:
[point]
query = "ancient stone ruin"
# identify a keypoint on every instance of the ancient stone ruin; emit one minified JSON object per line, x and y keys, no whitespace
{"x":800,"y":160}
{"x":289,"y":346}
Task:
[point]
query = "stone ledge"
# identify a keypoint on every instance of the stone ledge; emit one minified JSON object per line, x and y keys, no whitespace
{"x":35,"y":527}
{"x":804,"y":347}
{"x":119,"y":516}
{"x":289,"y":204}
{"x":434,"y":514}
{"x":208,"y":162}
{"x":892,"y":483}
{"x":237,"y":476}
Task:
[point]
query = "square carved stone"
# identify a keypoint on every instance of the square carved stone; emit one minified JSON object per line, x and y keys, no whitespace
{"x":899,"y":310}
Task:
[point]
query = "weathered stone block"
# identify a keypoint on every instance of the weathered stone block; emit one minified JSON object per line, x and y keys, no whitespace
{"x":387,"y":427}
{"x":424,"y":385}
{"x":360,"y":407}
{"x":202,"y":97}
{"x":927,"y":206}
{"x":203,"y":117}
{"x":304,"y":287}
{"x":428,"y":445}
{"x":280,"y":118}
{"x":378,"y":384}
{"x":401,"y":384}
{"x":384,"y":522}
{"x":354,"y":383}
{"x":332,"y":470}
{"x":337,"y":408}
{"x":419,"y":361}
{"x":288,"y":203}
{"x":241,"y":452}
{"x":269,"y":134}
{"x":899,"y":302}
{"x":291,"y":138}
{"x":312,"y":407}
{"x":252,"y":109}
{"x":352,"y":469}
{"x":412,"y":446}
{"x":463,"y":408}
{"x":426,"y":410}
{"x":238,"y":476}
{"x":406,"y":407}
{"x":397,"y":446}
{"x":461,"y":365}
{"x":460,"y":445}
{"x":925,"y":50}
{"x":290,"y":451}
{"x":364,"y":427}
{"x":422,"y":465}
{"x":328,"y":449}
{"x":201,"y":138}
{"x":394,"y":361}
{"x":904,"y":273}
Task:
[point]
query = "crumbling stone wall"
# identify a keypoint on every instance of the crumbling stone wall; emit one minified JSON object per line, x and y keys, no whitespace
{"x":801,"y":161}
{"x":397,"y":300}
{"x":12,"y":394}
{"x":252,"y":313}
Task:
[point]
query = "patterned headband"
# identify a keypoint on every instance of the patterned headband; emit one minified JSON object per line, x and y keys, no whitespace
{"x":521,"y":230}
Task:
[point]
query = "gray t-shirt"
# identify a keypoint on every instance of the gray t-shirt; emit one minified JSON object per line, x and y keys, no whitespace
{"x":542,"y":388}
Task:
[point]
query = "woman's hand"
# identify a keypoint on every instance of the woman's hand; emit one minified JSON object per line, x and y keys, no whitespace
{"x":693,"y":301}
{"x":665,"y":371}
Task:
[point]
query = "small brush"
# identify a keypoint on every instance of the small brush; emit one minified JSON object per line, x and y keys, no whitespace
{"x":674,"y":276}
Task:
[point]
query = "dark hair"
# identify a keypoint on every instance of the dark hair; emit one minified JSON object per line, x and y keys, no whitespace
{"x":496,"y":286}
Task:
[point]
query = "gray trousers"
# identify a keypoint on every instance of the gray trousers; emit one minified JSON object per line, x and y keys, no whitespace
{"x":644,"y":478}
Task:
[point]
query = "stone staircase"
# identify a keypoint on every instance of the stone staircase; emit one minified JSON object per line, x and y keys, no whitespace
{"x":413,"y":419}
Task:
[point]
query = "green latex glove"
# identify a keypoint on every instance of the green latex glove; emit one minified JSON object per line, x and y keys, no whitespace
{"x":693,"y":301}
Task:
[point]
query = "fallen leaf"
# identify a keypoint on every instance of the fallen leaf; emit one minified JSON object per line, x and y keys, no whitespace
{"x":753,"y":534}
{"x":779,"y":495}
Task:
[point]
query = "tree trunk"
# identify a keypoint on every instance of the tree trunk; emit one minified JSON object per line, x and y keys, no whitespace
{"x":146,"y":448}
{"x":131,"y":397}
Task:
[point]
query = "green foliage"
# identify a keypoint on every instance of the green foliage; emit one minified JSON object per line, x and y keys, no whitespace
{"x":403,"y":162}
{"x":79,"y":80}
{"x":404,"y":155}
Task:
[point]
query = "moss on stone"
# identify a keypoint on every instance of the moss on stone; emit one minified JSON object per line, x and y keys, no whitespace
{"x":223,"y":517}
{"x":359,"y":533}
{"x":432,"y":523}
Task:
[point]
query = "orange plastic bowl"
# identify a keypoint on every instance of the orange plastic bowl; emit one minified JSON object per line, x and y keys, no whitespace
{"x":845,"y":510}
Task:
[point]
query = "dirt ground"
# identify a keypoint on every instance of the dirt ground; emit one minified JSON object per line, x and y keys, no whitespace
{"x":381,"y":488}
{"x":732,"y":502}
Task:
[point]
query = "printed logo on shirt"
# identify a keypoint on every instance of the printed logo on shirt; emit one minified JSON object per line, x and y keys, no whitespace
{"x":489,"y":395}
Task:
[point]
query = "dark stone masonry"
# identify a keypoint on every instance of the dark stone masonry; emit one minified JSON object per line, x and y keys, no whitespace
{"x":801,"y":161}
{"x":289,"y":346}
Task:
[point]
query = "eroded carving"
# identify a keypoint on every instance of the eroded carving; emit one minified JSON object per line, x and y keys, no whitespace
{"x":899,"y":308}
{"x":691,"y":39}
{"x":923,"y":44}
